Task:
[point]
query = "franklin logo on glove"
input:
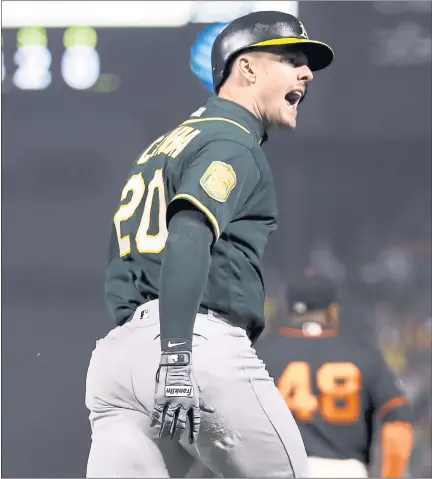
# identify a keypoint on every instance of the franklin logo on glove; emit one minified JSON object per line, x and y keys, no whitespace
{"x":175,"y":380}
{"x":178,"y":391}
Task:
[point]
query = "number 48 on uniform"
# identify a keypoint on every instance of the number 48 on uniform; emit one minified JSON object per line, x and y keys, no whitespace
{"x":339,"y":386}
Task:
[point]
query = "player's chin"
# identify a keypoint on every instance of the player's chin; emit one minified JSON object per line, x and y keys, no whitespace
{"x":287,"y":116}
{"x":289,"y":120}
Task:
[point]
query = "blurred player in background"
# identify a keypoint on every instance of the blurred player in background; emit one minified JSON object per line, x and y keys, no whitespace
{"x":336,"y":388}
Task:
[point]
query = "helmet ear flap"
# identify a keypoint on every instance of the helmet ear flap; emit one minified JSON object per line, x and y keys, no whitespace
{"x":226,"y":73}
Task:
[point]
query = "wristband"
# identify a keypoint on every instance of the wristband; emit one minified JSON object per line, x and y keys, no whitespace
{"x":180,"y":358}
{"x":176,"y":344}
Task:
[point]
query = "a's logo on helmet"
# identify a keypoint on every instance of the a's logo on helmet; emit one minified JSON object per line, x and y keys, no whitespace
{"x":200,"y":55}
{"x":303,"y":33}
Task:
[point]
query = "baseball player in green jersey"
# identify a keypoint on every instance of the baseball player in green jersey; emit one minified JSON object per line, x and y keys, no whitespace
{"x":178,"y":378}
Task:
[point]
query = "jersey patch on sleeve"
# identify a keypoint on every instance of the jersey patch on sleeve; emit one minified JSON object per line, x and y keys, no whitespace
{"x":218,"y":181}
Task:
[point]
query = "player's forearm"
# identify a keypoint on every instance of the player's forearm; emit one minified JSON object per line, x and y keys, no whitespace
{"x":396,"y":447}
{"x":185,"y":268}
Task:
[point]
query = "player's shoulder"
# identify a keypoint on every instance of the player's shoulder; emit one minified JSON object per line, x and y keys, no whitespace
{"x":219,"y":130}
{"x":364,"y":354}
{"x":286,"y":347}
{"x":364,"y":347}
{"x":270,"y":339}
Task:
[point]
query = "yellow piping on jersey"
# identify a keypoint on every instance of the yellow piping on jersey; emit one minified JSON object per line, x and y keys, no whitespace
{"x":216,"y":119}
{"x":203,"y":208}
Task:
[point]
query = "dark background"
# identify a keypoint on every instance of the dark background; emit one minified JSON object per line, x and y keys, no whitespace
{"x":354,"y":188}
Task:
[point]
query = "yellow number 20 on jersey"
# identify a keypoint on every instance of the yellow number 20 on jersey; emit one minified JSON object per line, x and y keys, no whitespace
{"x":145,"y":242}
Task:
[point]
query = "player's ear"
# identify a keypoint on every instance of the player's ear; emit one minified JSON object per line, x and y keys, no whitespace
{"x":333,"y":315}
{"x":247,"y":67}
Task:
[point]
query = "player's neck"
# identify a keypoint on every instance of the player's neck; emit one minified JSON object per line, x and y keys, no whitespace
{"x":237,"y":95}
{"x":320,"y":317}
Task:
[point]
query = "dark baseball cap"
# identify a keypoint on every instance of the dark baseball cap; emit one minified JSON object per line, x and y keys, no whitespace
{"x":310,"y":293}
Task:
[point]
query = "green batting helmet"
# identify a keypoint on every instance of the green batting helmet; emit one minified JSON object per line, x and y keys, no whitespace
{"x":260,"y":30}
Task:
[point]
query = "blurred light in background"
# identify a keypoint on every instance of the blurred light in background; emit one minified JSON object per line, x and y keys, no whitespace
{"x":398,"y":7}
{"x":80,"y":63}
{"x":200,"y":61}
{"x":404,"y":35}
{"x":3,"y":67}
{"x":406,"y":44}
{"x":33,"y":59}
{"x":130,"y":14}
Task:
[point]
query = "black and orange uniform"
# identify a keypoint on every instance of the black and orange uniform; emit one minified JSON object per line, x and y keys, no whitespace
{"x":337,"y":388}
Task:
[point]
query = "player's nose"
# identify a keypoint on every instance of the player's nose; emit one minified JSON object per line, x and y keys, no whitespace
{"x":304,"y":74}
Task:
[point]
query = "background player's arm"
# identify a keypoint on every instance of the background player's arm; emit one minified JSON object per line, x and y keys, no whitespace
{"x":214,"y":186}
{"x":394,"y":412}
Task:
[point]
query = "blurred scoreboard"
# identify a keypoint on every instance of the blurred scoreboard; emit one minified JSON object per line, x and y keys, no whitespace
{"x":32,"y":60}
{"x":31,"y":66}
{"x":379,"y":85}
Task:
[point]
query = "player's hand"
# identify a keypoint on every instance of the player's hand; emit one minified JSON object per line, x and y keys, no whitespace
{"x":177,"y":401}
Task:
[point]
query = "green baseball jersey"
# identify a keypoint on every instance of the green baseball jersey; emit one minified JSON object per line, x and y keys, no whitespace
{"x":213,"y":161}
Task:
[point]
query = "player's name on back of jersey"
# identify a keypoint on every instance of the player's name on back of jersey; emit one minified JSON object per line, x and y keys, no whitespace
{"x":171,"y":145}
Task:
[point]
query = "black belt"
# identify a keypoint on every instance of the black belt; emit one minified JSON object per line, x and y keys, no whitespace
{"x":152,"y":297}
{"x":205,"y":310}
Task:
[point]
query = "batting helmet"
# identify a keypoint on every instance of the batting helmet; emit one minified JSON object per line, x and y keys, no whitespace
{"x":264,"y":29}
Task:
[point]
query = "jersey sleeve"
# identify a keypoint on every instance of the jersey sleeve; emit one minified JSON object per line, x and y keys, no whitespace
{"x":218,"y":181}
{"x":388,"y":397}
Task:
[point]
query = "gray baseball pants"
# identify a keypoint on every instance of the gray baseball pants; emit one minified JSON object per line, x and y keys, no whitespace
{"x":251,"y":433}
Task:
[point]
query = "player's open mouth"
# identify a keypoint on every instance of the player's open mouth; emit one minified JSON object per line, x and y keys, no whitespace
{"x":293,"y":98}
